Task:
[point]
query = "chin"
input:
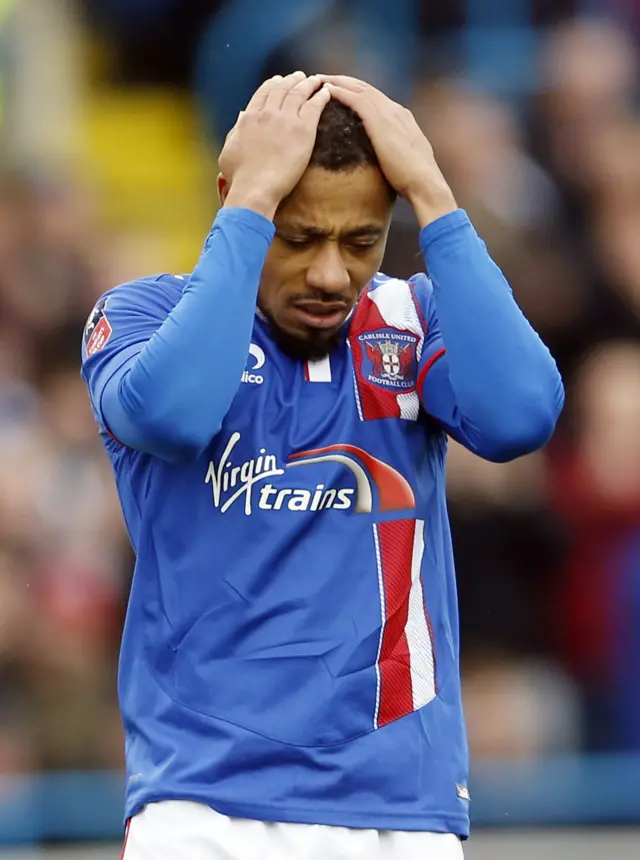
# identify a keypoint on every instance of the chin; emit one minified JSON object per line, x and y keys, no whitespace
{"x":307,"y":345}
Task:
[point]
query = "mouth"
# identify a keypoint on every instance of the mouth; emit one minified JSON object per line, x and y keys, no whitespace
{"x":320,"y":315}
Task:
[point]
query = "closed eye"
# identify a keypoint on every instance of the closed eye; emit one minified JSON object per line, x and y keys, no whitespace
{"x":354,"y":244}
{"x":364,"y":245}
{"x":296,"y":241}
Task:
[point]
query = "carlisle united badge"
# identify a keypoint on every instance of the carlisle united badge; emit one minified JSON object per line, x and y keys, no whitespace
{"x":389,"y":359}
{"x":98,"y":329}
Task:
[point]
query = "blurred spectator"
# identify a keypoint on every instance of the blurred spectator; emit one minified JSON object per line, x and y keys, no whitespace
{"x":506,"y":545}
{"x":62,"y":542}
{"x":520,"y":708}
{"x":595,"y":486}
{"x":589,"y":74}
{"x":615,"y":232}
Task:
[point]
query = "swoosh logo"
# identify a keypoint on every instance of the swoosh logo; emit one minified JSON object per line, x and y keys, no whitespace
{"x":258,"y":355}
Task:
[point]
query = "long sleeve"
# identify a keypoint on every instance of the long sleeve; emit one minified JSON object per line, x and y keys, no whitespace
{"x":485,"y":374}
{"x":167,"y":374}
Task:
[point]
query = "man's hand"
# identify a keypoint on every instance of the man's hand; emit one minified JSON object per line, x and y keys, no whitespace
{"x":268,"y":149}
{"x":405,"y":155}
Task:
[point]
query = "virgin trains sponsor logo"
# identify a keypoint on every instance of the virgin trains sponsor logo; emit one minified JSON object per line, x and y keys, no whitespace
{"x":258,"y":482}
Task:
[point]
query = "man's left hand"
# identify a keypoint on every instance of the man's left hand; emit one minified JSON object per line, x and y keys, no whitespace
{"x":405,"y":155}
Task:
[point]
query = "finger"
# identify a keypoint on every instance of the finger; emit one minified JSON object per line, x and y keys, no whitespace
{"x":313,"y":107}
{"x":365,"y":91}
{"x":347,"y":82}
{"x":361,"y":99}
{"x":280,"y":91}
{"x":259,"y":98}
{"x":301,"y":93}
{"x":357,"y":101}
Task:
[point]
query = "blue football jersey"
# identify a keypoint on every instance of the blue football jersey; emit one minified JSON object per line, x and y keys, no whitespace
{"x":290,"y":650}
{"x":291,"y":645}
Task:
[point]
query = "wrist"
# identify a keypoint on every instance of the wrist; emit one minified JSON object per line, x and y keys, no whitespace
{"x":431,"y":199}
{"x":251,"y":198}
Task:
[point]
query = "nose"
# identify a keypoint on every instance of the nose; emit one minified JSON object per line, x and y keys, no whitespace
{"x":328,"y":272}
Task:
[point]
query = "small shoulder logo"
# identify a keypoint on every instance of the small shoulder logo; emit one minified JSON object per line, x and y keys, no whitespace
{"x":389,"y":359}
{"x":98,"y":329}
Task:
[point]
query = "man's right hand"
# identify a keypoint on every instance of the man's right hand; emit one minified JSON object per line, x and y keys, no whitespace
{"x":269,"y":148}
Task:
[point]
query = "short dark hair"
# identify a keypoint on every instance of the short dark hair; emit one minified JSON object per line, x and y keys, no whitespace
{"x":342,"y":142}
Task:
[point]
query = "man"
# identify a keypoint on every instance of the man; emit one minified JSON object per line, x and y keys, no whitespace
{"x":277,"y":423}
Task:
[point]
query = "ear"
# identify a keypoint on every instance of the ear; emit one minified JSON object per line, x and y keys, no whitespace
{"x":223,"y":188}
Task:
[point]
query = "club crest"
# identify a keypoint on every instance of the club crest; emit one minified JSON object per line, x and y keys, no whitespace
{"x":389,"y":359}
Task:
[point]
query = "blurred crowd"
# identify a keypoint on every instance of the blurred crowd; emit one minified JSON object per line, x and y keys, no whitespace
{"x":547,"y":548}
{"x":64,"y":561}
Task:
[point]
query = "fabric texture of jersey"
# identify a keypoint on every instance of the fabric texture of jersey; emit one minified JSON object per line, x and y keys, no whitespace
{"x":290,"y":651}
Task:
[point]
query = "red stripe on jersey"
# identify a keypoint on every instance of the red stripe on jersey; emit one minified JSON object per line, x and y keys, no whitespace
{"x":115,"y":438}
{"x":367,"y":317}
{"x":427,"y":367}
{"x":396,"y":550}
{"x":376,"y":403}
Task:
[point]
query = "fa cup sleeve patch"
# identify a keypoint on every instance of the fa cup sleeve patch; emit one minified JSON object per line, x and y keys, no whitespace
{"x":98,"y":329}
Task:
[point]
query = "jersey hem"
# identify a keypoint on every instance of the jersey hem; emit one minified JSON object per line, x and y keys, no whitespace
{"x":433,"y":822}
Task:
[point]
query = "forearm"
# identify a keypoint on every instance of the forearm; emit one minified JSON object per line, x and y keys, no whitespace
{"x":431,"y":197}
{"x":506,"y":385}
{"x":174,"y":394}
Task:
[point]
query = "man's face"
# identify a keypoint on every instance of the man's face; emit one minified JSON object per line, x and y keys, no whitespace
{"x":330,"y":238}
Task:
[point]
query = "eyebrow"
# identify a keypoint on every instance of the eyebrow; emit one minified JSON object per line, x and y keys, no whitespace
{"x":318,"y":233}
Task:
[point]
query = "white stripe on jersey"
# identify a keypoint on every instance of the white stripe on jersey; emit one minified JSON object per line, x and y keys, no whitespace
{"x":320,"y":370}
{"x":423,"y":679}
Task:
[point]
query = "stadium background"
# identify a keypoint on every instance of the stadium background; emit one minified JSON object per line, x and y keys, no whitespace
{"x":111,"y":113}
